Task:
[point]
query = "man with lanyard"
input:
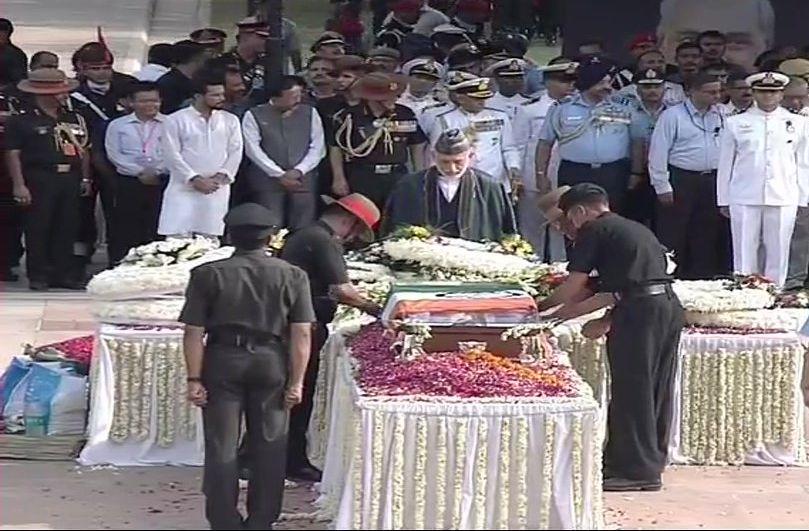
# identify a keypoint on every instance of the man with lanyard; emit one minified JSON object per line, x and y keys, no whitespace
{"x":643,"y":330}
{"x":740,"y":93}
{"x":451,"y":196}
{"x":593,"y":135}
{"x":423,"y":74}
{"x":683,"y":157}
{"x":132,"y":144}
{"x":250,"y":44}
{"x":373,"y":141}
{"x":496,"y":153}
{"x":559,"y":78}
{"x":247,"y":340}
{"x":761,"y":184}
{"x":49,"y":164}
{"x":318,"y":250}
{"x":650,"y":88}
{"x":509,"y":76}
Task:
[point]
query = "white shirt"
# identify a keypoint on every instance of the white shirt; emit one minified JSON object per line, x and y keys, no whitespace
{"x":417,"y":104}
{"x":672,"y":95}
{"x":507,"y":104}
{"x":253,"y":150}
{"x":194,"y":145}
{"x":132,"y":145}
{"x":528,"y":125}
{"x":729,"y":109}
{"x":151,"y":72}
{"x":490,"y":131}
{"x":448,"y":187}
{"x":763,"y":159}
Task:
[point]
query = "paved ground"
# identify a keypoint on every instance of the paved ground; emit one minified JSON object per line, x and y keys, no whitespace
{"x":62,"y":496}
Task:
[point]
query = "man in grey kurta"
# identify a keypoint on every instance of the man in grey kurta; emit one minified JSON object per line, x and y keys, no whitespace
{"x":284,"y":141}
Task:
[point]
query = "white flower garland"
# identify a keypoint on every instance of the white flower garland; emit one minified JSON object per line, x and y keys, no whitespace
{"x":139,"y":311}
{"x":784,"y":319}
{"x":710,"y":296}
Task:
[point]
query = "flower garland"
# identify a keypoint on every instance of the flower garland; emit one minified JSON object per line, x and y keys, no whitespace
{"x":504,"y":462}
{"x":773,"y":320}
{"x":711,"y":296}
{"x":153,"y":311}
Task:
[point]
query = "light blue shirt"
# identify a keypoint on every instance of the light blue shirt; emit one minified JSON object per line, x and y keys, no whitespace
{"x":686,"y":139}
{"x":643,"y":122}
{"x":586,"y":133}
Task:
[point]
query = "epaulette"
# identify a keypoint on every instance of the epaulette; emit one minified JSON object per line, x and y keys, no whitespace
{"x":533,"y":100}
{"x":434,"y":105}
{"x":445,"y":112}
{"x":495,"y":110}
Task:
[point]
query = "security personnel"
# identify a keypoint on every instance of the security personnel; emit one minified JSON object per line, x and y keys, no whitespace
{"x":592,"y":131}
{"x":256,"y":311}
{"x":248,"y":53}
{"x":650,"y":88}
{"x":761,"y":183}
{"x":213,"y":39}
{"x":424,"y":74}
{"x":318,"y":250}
{"x":490,"y":129}
{"x":644,"y":330}
{"x":683,"y":157}
{"x":49,"y":167}
{"x":509,"y":76}
{"x":559,"y":77}
{"x":10,"y":213}
{"x":374,"y":140}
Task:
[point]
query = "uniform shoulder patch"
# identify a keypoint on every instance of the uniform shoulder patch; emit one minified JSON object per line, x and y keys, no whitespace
{"x":533,"y":100}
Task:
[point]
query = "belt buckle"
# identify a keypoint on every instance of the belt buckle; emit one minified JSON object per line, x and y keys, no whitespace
{"x":595,"y":166}
{"x":383,"y":169}
{"x":63,"y":168}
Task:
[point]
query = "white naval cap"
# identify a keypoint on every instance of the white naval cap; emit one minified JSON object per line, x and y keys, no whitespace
{"x":768,"y":81}
{"x":512,"y":66}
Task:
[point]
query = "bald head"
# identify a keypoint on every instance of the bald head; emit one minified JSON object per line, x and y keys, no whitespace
{"x":796,"y":94}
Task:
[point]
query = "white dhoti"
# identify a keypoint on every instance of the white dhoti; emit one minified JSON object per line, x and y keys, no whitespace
{"x":769,"y":227}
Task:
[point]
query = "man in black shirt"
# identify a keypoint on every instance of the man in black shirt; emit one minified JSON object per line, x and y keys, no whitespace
{"x":643,"y":330}
{"x":49,"y":166}
{"x":256,"y":311}
{"x":374,"y":140}
{"x":176,"y":86}
{"x":318,"y":250}
{"x":12,"y":57}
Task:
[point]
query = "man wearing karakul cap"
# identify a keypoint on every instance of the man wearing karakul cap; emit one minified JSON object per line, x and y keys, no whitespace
{"x":451,"y":196}
{"x":592,"y":132}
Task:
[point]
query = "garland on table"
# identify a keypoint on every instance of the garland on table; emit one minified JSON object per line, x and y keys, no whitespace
{"x":711,"y":296}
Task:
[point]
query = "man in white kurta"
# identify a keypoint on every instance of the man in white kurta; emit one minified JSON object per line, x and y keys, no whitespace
{"x":202,"y":148}
{"x":763,"y":178}
{"x":490,"y":130}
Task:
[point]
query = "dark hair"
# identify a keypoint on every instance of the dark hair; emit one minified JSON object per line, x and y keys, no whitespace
{"x":185,"y":52}
{"x":141,"y":86}
{"x":767,"y":56}
{"x":701,"y":78}
{"x":687,"y":45}
{"x":37,"y":57}
{"x":313,"y":59}
{"x":737,"y":75}
{"x":591,"y":42}
{"x":583,"y":194}
{"x":161,"y":53}
{"x":207,"y":77}
{"x":286,"y":83}
{"x":649,"y":52}
{"x":711,"y":34}
{"x":222,"y":65}
{"x":6,"y":26}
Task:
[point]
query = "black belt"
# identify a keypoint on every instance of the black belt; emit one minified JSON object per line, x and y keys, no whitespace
{"x":381,"y":168}
{"x":56,"y":168}
{"x":241,"y":338}
{"x":693,"y":172}
{"x":594,"y":165}
{"x":648,"y":290}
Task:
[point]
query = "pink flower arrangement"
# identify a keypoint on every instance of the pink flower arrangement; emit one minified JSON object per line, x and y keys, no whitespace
{"x":78,"y":349}
{"x":451,"y":374}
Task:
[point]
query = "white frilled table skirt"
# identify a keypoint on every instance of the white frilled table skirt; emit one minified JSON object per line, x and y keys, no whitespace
{"x":404,"y":464}
{"x":139,"y":414}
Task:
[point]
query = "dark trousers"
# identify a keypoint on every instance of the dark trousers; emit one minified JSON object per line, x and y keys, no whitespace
{"x":249,"y":381}
{"x":135,"y":215}
{"x":612,"y":176}
{"x":639,"y":204}
{"x":51,"y":224}
{"x":693,"y":227}
{"x":642,"y":350}
{"x":375,"y":186}
{"x":291,"y":209}
{"x":799,"y":251}
{"x":300,"y":414}
{"x":11,"y":223}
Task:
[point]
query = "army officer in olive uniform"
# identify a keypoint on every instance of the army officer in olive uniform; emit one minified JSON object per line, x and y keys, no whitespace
{"x":644,"y":329}
{"x":257,"y":313}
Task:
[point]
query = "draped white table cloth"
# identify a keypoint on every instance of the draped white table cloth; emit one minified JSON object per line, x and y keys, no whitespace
{"x":139,"y":414}
{"x":466,"y":464}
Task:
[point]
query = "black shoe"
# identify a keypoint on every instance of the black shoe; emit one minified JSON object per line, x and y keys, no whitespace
{"x":75,"y":285}
{"x":37,"y":285}
{"x":615,"y":484}
{"x":306,"y":473}
{"x":9,"y":276}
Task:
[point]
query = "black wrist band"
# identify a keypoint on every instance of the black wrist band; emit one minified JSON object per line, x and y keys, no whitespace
{"x":191,"y":379}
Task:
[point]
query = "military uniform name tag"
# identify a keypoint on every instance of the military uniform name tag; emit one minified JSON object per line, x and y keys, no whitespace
{"x":404,"y":126}
{"x":487,"y":125}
